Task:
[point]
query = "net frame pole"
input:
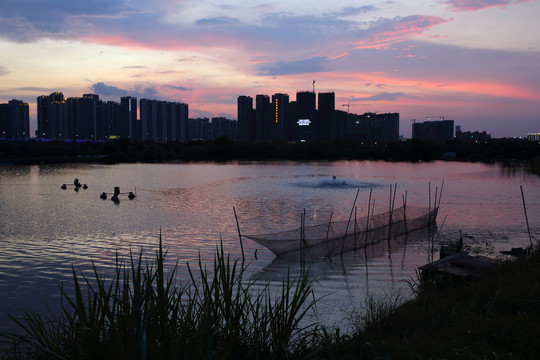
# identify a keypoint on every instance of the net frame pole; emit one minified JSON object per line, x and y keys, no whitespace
{"x":239,"y":236}
{"x":349,"y":221}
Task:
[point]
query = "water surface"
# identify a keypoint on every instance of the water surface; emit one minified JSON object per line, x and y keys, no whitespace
{"x":44,"y":230}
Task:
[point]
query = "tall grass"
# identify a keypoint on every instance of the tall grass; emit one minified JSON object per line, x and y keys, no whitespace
{"x":143,"y":313}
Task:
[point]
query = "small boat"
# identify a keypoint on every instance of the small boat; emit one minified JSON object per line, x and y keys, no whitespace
{"x":103,"y":196}
{"x":63,"y":187}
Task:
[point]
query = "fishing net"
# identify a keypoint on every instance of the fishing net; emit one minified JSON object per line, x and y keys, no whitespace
{"x":335,"y":237}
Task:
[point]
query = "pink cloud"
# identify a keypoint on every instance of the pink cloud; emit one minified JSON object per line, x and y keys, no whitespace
{"x":386,"y":32}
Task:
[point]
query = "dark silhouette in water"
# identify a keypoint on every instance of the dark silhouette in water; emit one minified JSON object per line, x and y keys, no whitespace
{"x":116,"y":193}
{"x":103,"y":196}
{"x":77,"y":185}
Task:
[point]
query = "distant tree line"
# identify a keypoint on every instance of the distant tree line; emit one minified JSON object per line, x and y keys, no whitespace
{"x":224,"y":149}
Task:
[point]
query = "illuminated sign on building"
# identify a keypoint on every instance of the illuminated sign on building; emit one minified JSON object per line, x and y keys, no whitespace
{"x":304,"y":122}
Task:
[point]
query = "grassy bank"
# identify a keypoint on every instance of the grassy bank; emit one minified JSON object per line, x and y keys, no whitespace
{"x":497,"y":317}
{"x":142,"y":313}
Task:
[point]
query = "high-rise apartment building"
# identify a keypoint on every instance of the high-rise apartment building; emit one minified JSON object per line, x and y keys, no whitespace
{"x":327,"y":126}
{"x":14,"y":120}
{"x":304,"y":122}
{"x":52,"y":116}
{"x":129,"y":125}
{"x":89,"y":119}
{"x":301,"y":120}
{"x":163,"y":121}
{"x":436,"y":131}
{"x":110,"y":113}
{"x":263,"y":118}
{"x":280,"y":117}
{"x":246,"y":120}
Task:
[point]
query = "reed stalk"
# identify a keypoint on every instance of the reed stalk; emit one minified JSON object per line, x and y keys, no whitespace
{"x":144,"y":313}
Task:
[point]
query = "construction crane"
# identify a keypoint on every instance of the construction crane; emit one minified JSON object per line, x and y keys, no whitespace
{"x":348,"y":105}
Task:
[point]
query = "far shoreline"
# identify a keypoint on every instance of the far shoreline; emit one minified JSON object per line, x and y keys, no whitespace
{"x":35,"y":151}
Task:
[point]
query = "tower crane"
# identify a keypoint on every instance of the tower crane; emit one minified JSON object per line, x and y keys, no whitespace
{"x":348,"y":105}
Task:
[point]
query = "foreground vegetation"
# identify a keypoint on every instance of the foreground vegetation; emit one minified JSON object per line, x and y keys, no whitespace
{"x":34,"y":151}
{"x":497,"y":317}
{"x":142,"y":313}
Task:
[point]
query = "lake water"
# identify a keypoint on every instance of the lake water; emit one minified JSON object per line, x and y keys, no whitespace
{"x":44,"y":230}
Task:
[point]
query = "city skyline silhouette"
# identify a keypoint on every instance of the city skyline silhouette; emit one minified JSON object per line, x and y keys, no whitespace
{"x":475,"y":62}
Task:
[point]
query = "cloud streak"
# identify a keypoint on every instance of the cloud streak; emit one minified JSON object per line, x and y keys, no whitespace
{"x":468,"y":5}
{"x":384,"y":96}
{"x":306,"y":66}
{"x":385,"y":32}
{"x":140,"y":91}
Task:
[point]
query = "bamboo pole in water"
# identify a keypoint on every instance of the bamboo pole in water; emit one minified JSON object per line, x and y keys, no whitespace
{"x":348,"y":222}
{"x":525,"y":210}
{"x":429,"y":202}
{"x":405,"y":211}
{"x":391,"y":209}
{"x":372,"y":212}
{"x":328,"y":232}
{"x":440,"y":195}
{"x":239,"y":236}
{"x":368,"y":214}
{"x":355,"y":231}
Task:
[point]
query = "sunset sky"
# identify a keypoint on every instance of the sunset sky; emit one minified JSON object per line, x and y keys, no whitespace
{"x":474,"y":61}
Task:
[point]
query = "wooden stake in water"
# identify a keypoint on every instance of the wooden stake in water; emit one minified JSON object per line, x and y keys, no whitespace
{"x":240,"y":236}
{"x":355,"y":227}
{"x":440,"y":195}
{"x":405,"y":212}
{"x":328,"y":233}
{"x":368,"y":216}
{"x":429,"y":201}
{"x":391,"y":210}
{"x":348,"y":222}
{"x":526,"y":218}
